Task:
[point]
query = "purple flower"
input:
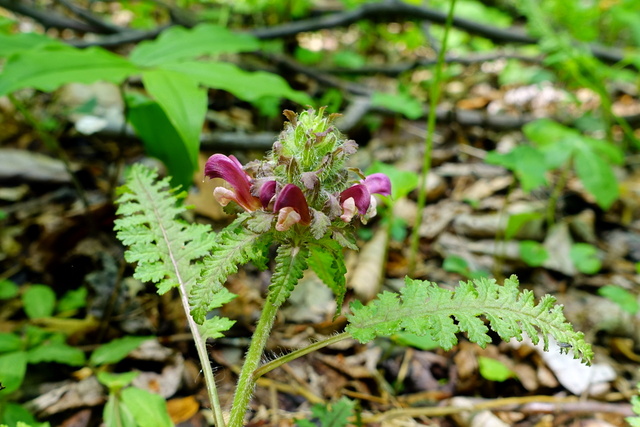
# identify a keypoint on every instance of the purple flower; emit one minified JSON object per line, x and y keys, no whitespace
{"x":359,"y":198}
{"x":230,"y":169}
{"x":292,"y":208}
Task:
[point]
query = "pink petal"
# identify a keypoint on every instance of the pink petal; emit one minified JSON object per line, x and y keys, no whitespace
{"x":287,"y":217}
{"x":292,"y":196}
{"x":230,"y":169}
{"x":349,"y":210}
{"x":267,"y":191}
{"x":361,"y":197}
{"x":378,"y":183}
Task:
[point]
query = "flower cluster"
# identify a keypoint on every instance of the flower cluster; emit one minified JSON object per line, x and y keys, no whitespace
{"x":303,"y":180}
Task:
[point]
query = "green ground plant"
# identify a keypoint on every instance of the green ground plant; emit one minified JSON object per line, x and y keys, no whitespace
{"x":301,"y":199}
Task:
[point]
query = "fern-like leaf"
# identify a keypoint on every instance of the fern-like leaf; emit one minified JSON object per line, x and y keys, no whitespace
{"x":327,"y":261}
{"x":167,"y":250}
{"x":234,"y":246}
{"x":424,"y":308}
{"x":290,"y":265}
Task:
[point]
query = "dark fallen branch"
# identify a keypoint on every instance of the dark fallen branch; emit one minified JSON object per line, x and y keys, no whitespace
{"x":48,"y":18}
{"x":90,"y":18}
{"x":467,"y":59}
{"x":119,"y":39}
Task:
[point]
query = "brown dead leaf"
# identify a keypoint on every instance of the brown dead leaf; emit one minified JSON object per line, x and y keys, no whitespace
{"x":182,"y":409}
{"x":202,"y":199}
{"x":369,"y":271}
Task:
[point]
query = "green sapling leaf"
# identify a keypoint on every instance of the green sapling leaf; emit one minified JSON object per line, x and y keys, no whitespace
{"x":625,"y":299}
{"x":39,"y":301}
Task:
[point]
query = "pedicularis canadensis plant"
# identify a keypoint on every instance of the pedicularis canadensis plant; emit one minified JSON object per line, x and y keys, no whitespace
{"x":303,"y":199}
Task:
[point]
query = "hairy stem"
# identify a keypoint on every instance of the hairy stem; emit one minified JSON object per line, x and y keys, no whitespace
{"x":431,"y":124}
{"x":270,"y":366}
{"x":246,"y":381}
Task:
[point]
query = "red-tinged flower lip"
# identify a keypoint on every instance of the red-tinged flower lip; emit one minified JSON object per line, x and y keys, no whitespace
{"x":378,"y":183}
{"x":267,"y":191}
{"x":291,"y":196}
{"x":230,"y":169}
{"x":360,"y":195}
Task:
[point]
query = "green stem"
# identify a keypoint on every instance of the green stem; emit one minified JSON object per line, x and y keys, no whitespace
{"x":431,"y":124}
{"x":246,"y":382}
{"x":555,"y":194}
{"x":203,"y":355}
{"x":270,"y":366}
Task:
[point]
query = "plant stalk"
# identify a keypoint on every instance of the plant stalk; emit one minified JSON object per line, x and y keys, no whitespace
{"x":246,"y":381}
{"x":203,"y":355}
{"x":431,"y":124}
{"x":270,"y":366}
{"x":557,"y":191}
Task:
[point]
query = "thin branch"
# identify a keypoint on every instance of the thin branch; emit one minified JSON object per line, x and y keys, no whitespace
{"x":95,"y":21}
{"x":119,"y":39}
{"x":48,"y":18}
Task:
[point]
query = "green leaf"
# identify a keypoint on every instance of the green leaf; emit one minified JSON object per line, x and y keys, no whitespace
{"x":49,"y":69}
{"x":516,"y":221}
{"x":402,"y":182}
{"x":291,"y":261}
{"x":215,"y":326}
{"x":545,"y":132}
{"x":148,"y":409}
{"x":73,"y":300}
{"x":18,"y":416}
{"x":39,"y":301}
{"x":13,"y":367}
{"x":327,"y":261}
{"x":8,"y":289}
{"x":161,"y":139}
{"x":625,"y":299}
{"x":248,"y":86}
{"x":494,"y":370}
{"x":533,"y":253}
{"x":424,"y":342}
{"x":401,"y":103}
{"x":178,"y":43}
{"x":16,"y":43}
{"x":455,"y":264}
{"x":331,"y":415}
{"x":9,"y":342}
{"x":116,"y":382}
{"x":57,"y":353}
{"x":585,"y":258}
{"x":184,"y":103}
{"x":116,"y":350}
{"x":423,"y":308}
{"x":526,"y":162}
{"x":117,"y":414}
{"x":596,"y":176}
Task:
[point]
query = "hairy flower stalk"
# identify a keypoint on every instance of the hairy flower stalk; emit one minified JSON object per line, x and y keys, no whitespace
{"x":304,"y":197}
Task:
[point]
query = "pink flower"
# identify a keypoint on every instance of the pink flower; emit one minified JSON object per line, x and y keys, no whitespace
{"x":230,"y":169}
{"x":359,"y":198}
{"x":292,"y":208}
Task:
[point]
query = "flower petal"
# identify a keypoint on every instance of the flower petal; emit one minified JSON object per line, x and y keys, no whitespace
{"x":267,"y":191}
{"x":287,"y":217}
{"x":292,"y":196}
{"x":349,"y":210}
{"x":361,"y":197}
{"x":378,"y":183}
{"x":230,"y":169}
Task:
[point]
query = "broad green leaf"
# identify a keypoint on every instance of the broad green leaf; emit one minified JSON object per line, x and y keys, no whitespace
{"x":248,"y":86}
{"x":9,"y":342}
{"x":148,"y":409}
{"x":401,"y":103}
{"x":585,"y":258}
{"x":184,"y":103}
{"x":596,"y":176}
{"x":424,"y":342}
{"x":161,"y":140}
{"x":18,"y":416}
{"x":625,"y":299}
{"x":516,"y":221}
{"x":402,"y":182}
{"x":8,"y":289}
{"x":527,"y":163}
{"x":455,"y":264}
{"x":58,"y":353}
{"x":545,"y":131}
{"x":494,"y":370}
{"x":177,"y":43}
{"x":533,"y":253}
{"x":116,"y":382}
{"x":116,"y":350}
{"x":73,"y":300}
{"x":215,"y":326}
{"x":13,"y":366}
{"x":39,"y":301}
{"x":49,"y":69}
{"x":16,"y":43}
{"x":117,"y":414}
